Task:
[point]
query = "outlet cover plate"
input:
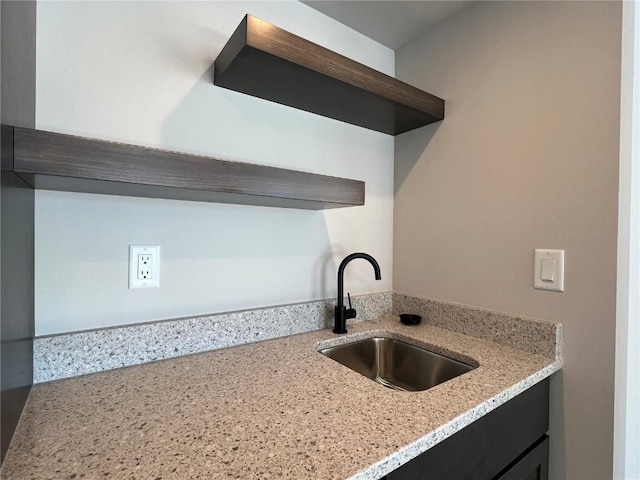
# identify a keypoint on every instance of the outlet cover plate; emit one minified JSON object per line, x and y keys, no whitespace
{"x":151,"y":276}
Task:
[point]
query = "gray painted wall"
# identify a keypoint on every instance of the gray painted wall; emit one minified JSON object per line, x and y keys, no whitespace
{"x":527,"y":157}
{"x":19,"y":63}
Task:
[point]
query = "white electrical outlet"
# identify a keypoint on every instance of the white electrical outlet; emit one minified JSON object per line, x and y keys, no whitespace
{"x":144,"y":266}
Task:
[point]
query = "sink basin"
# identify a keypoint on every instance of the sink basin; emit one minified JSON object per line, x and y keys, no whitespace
{"x":396,"y":364}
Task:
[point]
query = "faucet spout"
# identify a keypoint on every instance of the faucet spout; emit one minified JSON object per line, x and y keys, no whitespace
{"x":341,"y":313}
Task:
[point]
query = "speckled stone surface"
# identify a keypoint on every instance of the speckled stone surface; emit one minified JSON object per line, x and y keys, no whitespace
{"x":64,"y":356}
{"x":524,"y":333}
{"x":276,"y":409}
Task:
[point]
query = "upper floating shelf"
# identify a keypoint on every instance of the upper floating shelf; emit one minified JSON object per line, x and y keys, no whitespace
{"x":53,"y":161}
{"x":265,"y":61}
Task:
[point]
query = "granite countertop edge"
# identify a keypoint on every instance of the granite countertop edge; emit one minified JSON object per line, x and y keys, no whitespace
{"x":315,"y":404}
{"x":446,"y":430}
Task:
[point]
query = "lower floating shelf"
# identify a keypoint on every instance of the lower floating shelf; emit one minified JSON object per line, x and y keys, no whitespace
{"x":54,"y":161}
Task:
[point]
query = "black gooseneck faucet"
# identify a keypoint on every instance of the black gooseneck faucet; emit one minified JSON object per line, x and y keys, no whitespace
{"x":341,"y":312}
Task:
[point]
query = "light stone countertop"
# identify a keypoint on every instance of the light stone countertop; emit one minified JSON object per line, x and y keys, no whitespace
{"x":274,"y":409}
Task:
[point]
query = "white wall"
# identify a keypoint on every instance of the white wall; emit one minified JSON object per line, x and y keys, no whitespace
{"x":527,"y":157}
{"x":140,"y":72}
{"x":626,"y":460}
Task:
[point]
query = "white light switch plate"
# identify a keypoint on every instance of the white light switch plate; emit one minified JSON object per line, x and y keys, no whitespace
{"x":144,"y":266}
{"x":548,"y":270}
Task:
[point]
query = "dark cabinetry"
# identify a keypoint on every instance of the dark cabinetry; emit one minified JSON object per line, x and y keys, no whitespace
{"x":508,"y":443}
{"x":531,"y":465}
{"x":17,"y":309}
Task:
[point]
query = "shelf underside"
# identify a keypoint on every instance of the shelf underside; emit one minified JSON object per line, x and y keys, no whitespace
{"x":55,"y":161}
{"x":267,"y":62}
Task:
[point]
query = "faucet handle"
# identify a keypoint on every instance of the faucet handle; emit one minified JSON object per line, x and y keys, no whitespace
{"x":351,"y":312}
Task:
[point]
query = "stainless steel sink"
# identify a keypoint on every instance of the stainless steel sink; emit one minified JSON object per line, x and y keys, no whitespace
{"x":396,"y":364}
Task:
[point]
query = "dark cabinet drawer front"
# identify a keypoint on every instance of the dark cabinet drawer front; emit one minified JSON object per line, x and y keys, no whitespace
{"x":489,"y":445}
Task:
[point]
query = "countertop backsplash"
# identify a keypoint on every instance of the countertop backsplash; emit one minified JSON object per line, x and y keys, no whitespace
{"x":79,"y":353}
{"x":517,"y":331}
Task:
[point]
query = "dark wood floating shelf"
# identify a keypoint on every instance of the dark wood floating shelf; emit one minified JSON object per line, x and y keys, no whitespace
{"x":265,"y":61}
{"x":53,"y":161}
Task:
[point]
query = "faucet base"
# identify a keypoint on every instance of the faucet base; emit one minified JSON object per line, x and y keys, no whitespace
{"x":340,"y":315}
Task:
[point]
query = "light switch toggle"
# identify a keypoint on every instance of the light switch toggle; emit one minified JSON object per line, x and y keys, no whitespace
{"x":548,"y":267}
{"x":548,"y":270}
